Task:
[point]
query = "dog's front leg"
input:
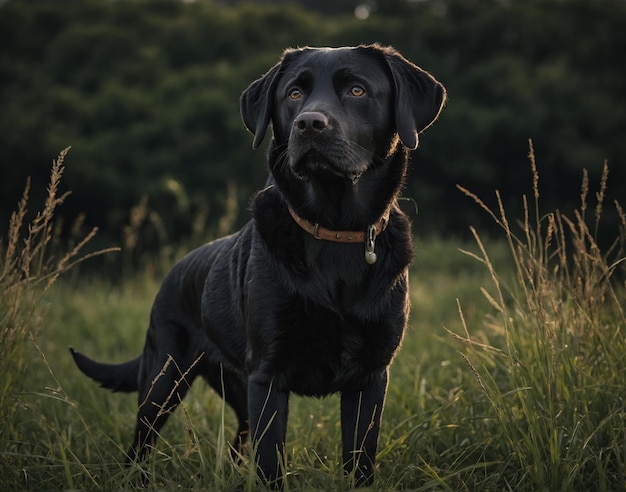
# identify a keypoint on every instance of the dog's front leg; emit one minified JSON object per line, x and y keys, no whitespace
{"x":267,"y":411}
{"x":361,"y":412}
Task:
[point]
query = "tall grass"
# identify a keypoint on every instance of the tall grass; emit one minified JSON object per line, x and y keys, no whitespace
{"x":30,"y":263}
{"x":27,"y":273}
{"x":551,"y":362}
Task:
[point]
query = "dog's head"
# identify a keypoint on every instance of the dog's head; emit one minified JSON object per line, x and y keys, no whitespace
{"x":339,"y":108}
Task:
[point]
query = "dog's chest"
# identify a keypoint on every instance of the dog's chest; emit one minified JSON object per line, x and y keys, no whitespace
{"x":322,"y":352}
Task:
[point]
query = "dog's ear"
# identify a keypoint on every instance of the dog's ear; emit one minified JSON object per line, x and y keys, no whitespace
{"x":256,"y":104}
{"x":419,"y":97}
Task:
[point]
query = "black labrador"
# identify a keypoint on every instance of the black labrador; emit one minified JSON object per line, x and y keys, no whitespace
{"x":311,"y":296}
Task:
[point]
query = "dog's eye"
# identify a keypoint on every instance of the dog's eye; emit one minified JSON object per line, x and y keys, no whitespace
{"x":357,"y":91}
{"x":295,"y":93}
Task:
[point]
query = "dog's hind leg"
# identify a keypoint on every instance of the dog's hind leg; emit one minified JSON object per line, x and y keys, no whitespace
{"x":159,"y":395}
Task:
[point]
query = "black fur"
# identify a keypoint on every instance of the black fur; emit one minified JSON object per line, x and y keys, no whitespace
{"x":272,"y":310}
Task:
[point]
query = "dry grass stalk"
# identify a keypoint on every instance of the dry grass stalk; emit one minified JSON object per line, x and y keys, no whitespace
{"x":29,"y":269}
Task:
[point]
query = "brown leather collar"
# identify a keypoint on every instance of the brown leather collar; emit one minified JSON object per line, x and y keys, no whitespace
{"x":323,"y":233}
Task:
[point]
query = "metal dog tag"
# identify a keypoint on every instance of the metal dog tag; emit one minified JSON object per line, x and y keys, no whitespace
{"x":370,"y":256}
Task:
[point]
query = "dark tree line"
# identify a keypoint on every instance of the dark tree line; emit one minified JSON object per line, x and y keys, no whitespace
{"x":146,"y":93}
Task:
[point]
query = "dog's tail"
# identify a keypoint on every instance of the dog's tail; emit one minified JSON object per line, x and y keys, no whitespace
{"x":116,"y":377}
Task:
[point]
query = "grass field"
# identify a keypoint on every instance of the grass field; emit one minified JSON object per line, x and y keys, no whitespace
{"x":512,"y":375}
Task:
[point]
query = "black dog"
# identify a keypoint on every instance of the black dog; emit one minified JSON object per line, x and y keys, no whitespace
{"x":311,"y":296}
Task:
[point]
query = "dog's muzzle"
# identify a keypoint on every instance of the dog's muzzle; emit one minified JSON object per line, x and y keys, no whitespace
{"x":317,"y":149}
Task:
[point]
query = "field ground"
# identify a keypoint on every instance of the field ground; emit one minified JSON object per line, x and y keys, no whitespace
{"x":499,"y":406}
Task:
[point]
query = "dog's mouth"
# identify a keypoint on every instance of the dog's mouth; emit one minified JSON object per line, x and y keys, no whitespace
{"x":313,"y":164}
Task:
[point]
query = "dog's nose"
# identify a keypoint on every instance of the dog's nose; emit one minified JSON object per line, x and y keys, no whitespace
{"x":311,"y":121}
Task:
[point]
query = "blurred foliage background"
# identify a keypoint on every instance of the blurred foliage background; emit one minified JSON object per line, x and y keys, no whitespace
{"x":147,"y":94}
